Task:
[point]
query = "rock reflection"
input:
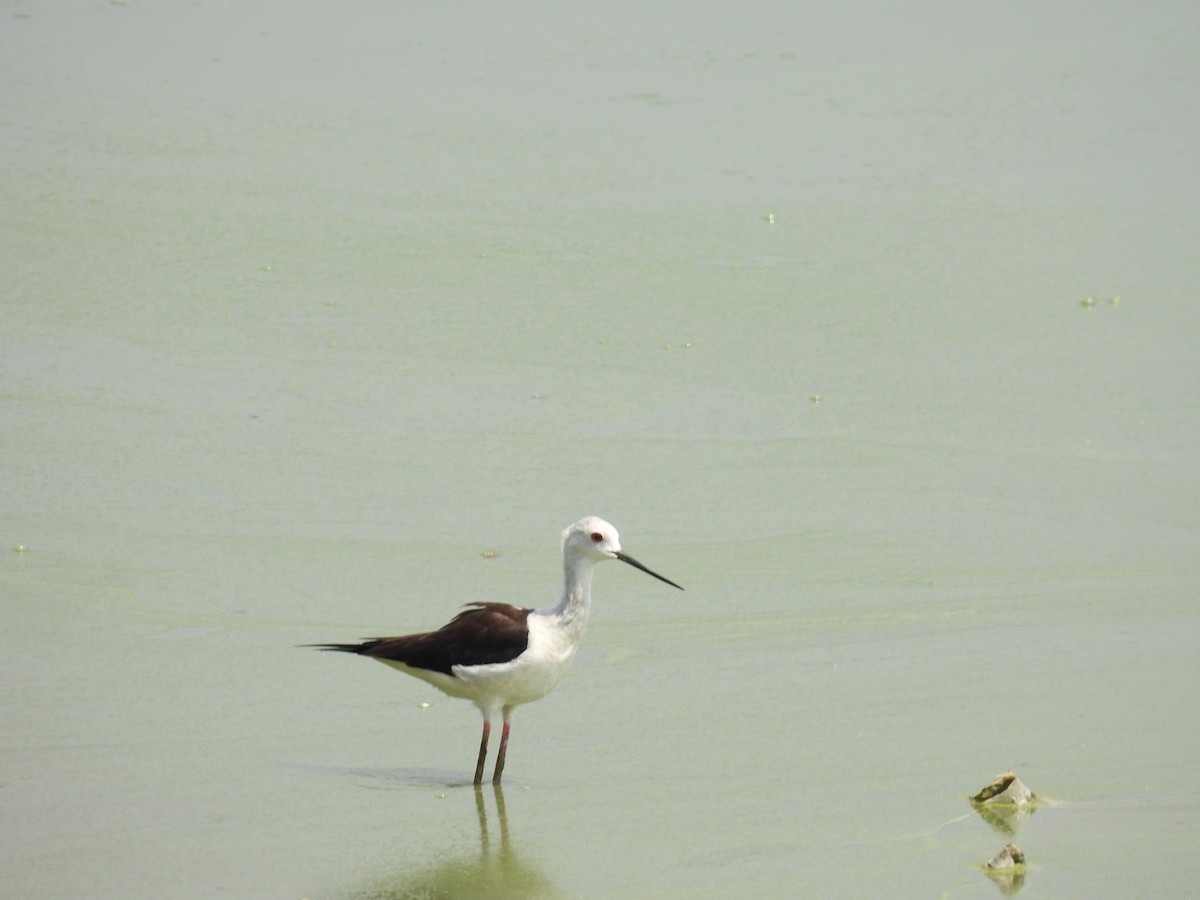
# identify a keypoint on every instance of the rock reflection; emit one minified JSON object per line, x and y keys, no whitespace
{"x":1007,"y":881}
{"x":494,"y":871}
{"x":1005,"y":819}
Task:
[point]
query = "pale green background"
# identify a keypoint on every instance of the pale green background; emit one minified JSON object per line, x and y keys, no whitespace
{"x":307,"y":306}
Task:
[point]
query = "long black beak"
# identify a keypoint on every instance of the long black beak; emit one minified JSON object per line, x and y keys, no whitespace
{"x":626,"y":558}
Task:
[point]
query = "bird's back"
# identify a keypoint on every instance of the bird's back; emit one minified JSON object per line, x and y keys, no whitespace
{"x":485,"y":634}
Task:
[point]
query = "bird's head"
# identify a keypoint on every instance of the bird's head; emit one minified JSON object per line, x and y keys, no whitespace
{"x":593,"y":538}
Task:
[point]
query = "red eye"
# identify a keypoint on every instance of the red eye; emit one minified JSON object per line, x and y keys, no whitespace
{"x":597,"y":537}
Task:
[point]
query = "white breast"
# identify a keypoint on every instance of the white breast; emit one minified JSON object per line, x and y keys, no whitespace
{"x":530,"y":676}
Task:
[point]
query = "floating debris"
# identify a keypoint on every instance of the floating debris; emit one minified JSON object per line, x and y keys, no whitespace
{"x":1005,"y":788}
{"x":1007,"y":858}
{"x":1087,"y":302}
{"x":489,"y":554}
{"x":1005,"y":804}
{"x":1007,"y":869}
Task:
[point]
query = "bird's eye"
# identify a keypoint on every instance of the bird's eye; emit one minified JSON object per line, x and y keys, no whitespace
{"x":597,"y":537}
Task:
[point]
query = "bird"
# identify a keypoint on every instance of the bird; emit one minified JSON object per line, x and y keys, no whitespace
{"x":501,"y":656}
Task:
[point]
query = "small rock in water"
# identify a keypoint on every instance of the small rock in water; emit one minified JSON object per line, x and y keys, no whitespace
{"x":1005,"y":788}
{"x":1007,"y":870}
{"x":1010,"y":856}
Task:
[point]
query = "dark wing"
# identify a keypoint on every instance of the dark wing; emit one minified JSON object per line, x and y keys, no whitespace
{"x":487,"y":633}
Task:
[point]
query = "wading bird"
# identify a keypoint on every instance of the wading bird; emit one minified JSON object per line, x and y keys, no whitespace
{"x":499,"y":656}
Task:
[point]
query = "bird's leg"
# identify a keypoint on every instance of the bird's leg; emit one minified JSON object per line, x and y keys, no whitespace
{"x":483,"y":742}
{"x":503,"y":746}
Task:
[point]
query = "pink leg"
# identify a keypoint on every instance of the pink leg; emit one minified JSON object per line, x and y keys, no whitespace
{"x":483,"y":742}
{"x":503,"y":747}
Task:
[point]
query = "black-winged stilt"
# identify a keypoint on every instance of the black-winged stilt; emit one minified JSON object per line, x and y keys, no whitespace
{"x":500,"y":656}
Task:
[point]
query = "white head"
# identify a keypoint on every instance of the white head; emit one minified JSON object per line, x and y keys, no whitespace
{"x":594,"y":539}
{"x":591,"y":537}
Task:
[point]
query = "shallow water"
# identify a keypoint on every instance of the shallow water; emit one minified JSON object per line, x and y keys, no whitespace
{"x":305,"y":313}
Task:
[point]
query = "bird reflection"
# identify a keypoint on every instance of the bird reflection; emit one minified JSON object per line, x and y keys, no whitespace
{"x":494,"y":871}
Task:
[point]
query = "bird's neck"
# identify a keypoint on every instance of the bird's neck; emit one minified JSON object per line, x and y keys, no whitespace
{"x":572,"y":611}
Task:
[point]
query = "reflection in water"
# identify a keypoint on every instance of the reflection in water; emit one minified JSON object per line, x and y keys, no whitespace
{"x":495,"y":871}
{"x":1009,"y":881}
{"x":1005,"y":818}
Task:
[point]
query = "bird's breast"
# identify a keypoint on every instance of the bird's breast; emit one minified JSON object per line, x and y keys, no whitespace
{"x":552,"y":641}
{"x":528,"y":677}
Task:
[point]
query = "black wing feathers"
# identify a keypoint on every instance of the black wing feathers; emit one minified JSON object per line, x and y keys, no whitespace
{"x":487,"y":633}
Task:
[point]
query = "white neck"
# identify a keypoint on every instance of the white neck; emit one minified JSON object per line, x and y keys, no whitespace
{"x":572,"y":610}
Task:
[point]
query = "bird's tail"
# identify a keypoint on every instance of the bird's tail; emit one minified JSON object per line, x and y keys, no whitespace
{"x":341,"y":648}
